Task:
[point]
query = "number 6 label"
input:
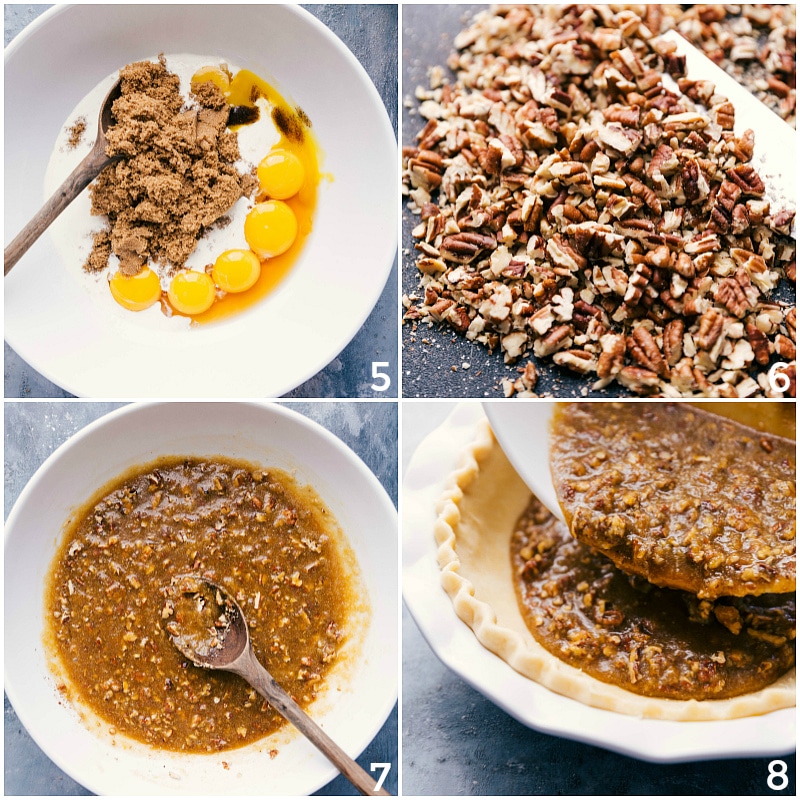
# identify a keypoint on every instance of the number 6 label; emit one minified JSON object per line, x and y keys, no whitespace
{"x":778,"y":379}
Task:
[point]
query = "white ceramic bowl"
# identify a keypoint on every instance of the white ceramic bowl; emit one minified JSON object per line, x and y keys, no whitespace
{"x":359,"y":698}
{"x":90,"y":348}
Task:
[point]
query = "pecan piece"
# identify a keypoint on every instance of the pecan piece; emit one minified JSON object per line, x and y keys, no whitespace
{"x":556,"y":339}
{"x":725,"y":115}
{"x":639,"y":380}
{"x":731,"y":295}
{"x":612,"y":355}
{"x":426,"y":168}
{"x":579,"y":361}
{"x":627,"y":116}
{"x":464,"y":247}
{"x":759,"y":343}
{"x":619,"y":139}
{"x":663,"y":163}
{"x":747,"y":179}
{"x":644,"y":193}
{"x":643,"y":349}
{"x":785,"y":347}
{"x":711,"y":324}
{"x":672,"y":341}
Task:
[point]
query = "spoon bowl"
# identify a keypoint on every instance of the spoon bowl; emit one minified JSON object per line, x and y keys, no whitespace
{"x":227,"y":646}
{"x":92,"y":165}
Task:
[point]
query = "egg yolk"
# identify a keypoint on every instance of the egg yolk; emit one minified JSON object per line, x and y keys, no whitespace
{"x":236,"y":270}
{"x":191,"y":292}
{"x":281,"y":174}
{"x":212,"y":75}
{"x":270,"y":228}
{"x":136,"y":292}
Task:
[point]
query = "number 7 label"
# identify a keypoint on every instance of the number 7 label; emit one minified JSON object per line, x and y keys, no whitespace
{"x":384,"y":772}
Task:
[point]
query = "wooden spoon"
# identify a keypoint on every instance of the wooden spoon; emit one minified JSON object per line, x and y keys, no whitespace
{"x":91,"y":166}
{"x":232,"y":650}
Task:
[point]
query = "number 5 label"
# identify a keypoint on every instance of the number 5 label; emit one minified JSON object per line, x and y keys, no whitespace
{"x":385,"y":380}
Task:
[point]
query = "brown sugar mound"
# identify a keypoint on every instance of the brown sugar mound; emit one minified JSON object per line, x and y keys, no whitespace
{"x":176,"y":175}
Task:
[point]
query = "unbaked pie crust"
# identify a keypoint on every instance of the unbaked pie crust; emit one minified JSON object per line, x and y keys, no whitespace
{"x":476,"y":515}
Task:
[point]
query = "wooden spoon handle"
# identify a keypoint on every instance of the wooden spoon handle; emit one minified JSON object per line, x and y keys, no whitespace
{"x":76,"y":182}
{"x":255,"y":674}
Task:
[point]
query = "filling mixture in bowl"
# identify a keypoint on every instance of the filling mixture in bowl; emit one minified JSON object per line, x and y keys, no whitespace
{"x":671,"y":596}
{"x":212,"y":192}
{"x":117,"y":590}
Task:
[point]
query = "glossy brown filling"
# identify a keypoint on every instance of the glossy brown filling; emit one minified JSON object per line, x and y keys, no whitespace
{"x":268,"y":541}
{"x":681,"y":497}
{"x":651,"y":641}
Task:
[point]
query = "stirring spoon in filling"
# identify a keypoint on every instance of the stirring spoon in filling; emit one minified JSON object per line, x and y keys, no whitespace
{"x":208,"y":626}
{"x":95,"y":162}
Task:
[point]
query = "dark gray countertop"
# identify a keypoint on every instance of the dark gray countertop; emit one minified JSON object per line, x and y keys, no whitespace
{"x":33,"y":430}
{"x":457,"y":742}
{"x":370,"y":31}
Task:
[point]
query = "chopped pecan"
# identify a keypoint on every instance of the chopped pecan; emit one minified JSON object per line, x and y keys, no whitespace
{"x":663,"y":163}
{"x":711,"y":325}
{"x":644,"y":192}
{"x":672,"y":341}
{"x":426,"y":167}
{"x":791,"y":323}
{"x":643,"y":349}
{"x":556,"y":339}
{"x":579,"y":361}
{"x":464,"y":247}
{"x":747,"y":179}
{"x":785,"y":347}
{"x":781,"y":221}
{"x":628,"y":116}
{"x":619,"y":139}
{"x":731,"y":295}
{"x":617,"y":220}
{"x":725,"y":115}
{"x":612,"y":355}
{"x":759,"y":343}
{"x":639,"y":380}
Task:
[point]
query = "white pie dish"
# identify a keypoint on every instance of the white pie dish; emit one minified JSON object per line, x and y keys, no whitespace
{"x":528,"y":702}
{"x":358,"y":700}
{"x":95,"y":349}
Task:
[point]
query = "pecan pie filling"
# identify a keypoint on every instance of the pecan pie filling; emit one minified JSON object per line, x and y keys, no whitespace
{"x":121,"y":582}
{"x":648,"y":640}
{"x":681,"y":497}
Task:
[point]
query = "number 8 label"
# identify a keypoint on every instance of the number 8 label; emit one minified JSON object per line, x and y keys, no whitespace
{"x":778,"y":779}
